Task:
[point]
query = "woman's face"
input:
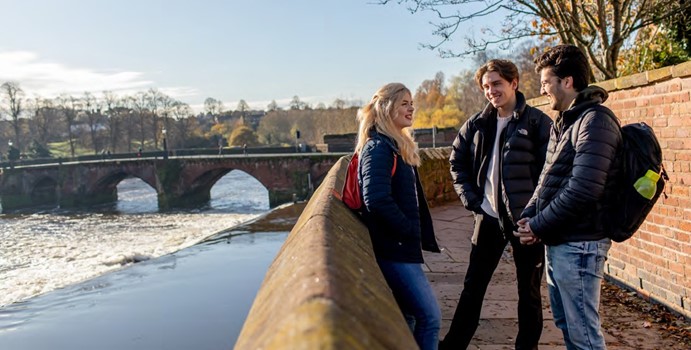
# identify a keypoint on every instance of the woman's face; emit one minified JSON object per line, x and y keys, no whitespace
{"x":403,"y":112}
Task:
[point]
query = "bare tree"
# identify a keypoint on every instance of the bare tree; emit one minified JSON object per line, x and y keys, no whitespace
{"x":110,"y":101}
{"x":184,"y":124}
{"x":296,"y":104}
{"x":167,"y":105}
{"x":338,"y":103}
{"x":243,"y":106}
{"x":140,"y":101}
{"x":466,"y":94}
{"x":600,"y":28}
{"x":272,"y":106}
{"x":213,"y":106}
{"x":529,"y":80}
{"x":42,"y":120}
{"x":129,"y":118}
{"x":154,"y":102}
{"x":93,"y":111}
{"x":69,"y":106}
{"x":12,"y":96}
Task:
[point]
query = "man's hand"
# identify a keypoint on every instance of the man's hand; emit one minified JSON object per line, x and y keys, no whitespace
{"x":524,"y":233}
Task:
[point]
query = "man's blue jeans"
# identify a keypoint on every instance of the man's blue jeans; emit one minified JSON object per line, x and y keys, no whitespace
{"x":416,"y":299}
{"x":574,"y":277}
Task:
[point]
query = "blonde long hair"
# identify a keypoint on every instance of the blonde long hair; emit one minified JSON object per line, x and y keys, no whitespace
{"x":378,"y":113}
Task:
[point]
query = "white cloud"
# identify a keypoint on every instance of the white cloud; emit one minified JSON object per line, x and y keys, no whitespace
{"x":40,"y":77}
{"x":180,"y":92}
{"x":281,"y":102}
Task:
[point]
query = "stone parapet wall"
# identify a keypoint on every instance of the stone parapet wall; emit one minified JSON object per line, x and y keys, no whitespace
{"x":435,"y":175}
{"x":656,"y":262}
{"x":324,"y":289}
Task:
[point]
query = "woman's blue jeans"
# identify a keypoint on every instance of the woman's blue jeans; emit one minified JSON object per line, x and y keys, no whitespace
{"x":416,"y":299}
{"x":574,"y":277}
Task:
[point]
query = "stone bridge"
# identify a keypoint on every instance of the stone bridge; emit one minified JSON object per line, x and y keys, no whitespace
{"x":180,"y":182}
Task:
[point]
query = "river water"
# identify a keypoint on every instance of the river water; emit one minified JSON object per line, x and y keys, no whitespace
{"x":41,"y":252}
{"x":125,"y":276}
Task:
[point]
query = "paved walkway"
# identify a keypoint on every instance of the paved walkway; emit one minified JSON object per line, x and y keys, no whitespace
{"x":498,"y":323}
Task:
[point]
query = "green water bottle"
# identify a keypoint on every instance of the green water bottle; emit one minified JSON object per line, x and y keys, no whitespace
{"x":647,"y":184}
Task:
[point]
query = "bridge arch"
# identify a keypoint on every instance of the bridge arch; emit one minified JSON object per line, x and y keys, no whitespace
{"x":239,"y":190}
{"x":208,"y":179}
{"x":198,"y":190}
{"x":105,"y":188}
{"x":45,"y":191}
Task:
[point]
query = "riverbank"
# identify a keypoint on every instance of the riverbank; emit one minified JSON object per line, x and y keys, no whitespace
{"x":195,"y":298}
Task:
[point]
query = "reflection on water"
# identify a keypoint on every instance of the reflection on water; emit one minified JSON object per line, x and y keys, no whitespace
{"x":40,"y":252}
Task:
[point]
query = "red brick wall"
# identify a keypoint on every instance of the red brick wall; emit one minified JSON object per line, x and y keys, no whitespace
{"x":656,"y":262}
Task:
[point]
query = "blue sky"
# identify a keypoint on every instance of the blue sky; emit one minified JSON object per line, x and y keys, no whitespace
{"x":256,"y":50}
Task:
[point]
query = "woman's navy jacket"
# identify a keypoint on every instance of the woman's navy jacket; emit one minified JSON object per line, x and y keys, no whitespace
{"x":396,"y":211}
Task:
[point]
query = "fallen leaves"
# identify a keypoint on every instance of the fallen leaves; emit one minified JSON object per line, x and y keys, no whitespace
{"x":670,"y":325}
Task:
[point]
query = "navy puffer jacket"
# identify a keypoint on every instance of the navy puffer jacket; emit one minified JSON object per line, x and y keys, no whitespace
{"x":523,"y":146}
{"x":579,"y":171}
{"x":396,"y":211}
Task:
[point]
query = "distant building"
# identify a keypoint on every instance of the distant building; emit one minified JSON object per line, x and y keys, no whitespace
{"x":346,"y":142}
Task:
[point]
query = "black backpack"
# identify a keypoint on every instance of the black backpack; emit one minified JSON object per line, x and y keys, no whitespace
{"x":640,"y":152}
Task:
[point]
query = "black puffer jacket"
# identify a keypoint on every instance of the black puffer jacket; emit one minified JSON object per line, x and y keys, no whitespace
{"x":581,"y":163}
{"x":524,"y":142}
{"x":396,"y":211}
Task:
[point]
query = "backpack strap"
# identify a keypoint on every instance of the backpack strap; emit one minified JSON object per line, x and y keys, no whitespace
{"x":594,"y":108}
{"x":395,"y":160}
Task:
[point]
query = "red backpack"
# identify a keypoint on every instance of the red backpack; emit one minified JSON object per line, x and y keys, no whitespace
{"x":351,"y":187}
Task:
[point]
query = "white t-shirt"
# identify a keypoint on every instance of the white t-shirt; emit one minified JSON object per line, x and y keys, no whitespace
{"x":489,"y":203}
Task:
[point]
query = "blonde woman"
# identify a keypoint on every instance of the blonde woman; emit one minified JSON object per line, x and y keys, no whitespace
{"x":396,"y":211}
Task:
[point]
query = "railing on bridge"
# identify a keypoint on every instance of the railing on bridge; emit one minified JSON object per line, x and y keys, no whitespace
{"x":155,"y":155}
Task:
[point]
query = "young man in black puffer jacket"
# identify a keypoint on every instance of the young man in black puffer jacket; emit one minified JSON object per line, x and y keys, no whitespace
{"x":566,"y":212}
{"x":495,"y":164}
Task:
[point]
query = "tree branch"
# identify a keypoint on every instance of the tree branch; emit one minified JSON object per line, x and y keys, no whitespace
{"x":600,"y":27}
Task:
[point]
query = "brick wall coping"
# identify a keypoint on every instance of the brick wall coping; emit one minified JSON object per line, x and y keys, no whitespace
{"x":681,"y":70}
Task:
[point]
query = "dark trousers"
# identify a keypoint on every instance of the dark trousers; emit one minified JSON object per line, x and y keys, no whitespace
{"x":484,"y":258}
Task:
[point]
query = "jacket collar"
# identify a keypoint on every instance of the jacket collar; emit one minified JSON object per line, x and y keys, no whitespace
{"x":586,"y":98}
{"x":490,"y":112}
{"x":374,"y":134}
